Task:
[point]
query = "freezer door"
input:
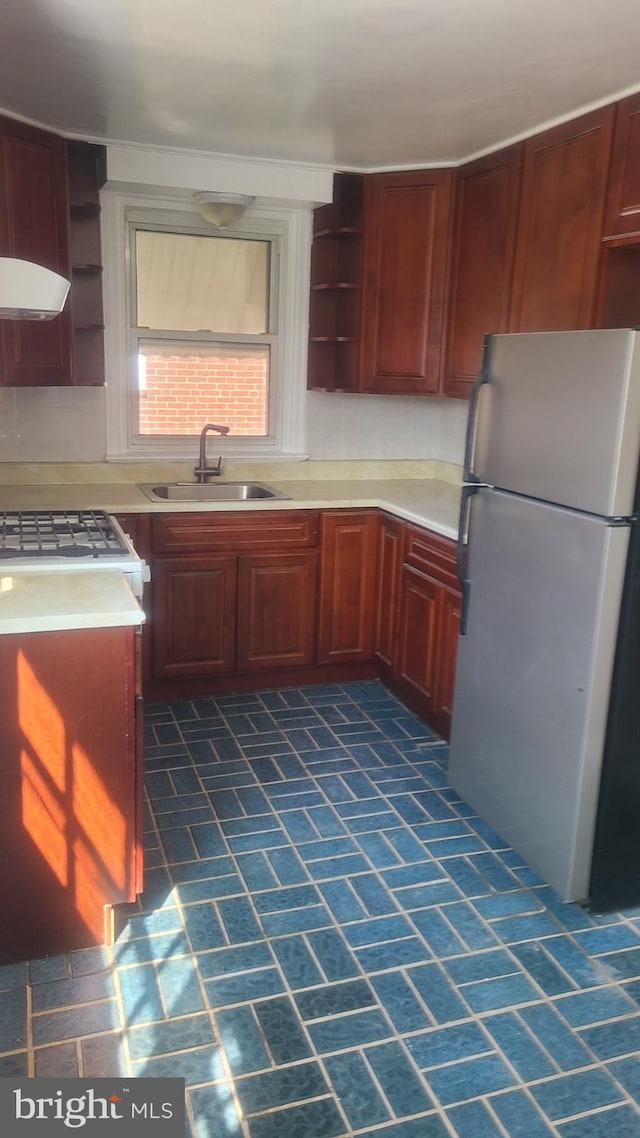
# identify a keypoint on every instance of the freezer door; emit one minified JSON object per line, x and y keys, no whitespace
{"x":533,"y":678}
{"x":559,"y":418}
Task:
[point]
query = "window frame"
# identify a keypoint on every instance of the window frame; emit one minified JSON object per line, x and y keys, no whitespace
{"x":288,"y":229}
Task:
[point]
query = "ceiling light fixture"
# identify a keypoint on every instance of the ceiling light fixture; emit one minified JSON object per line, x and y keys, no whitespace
{"x":220,"y":209}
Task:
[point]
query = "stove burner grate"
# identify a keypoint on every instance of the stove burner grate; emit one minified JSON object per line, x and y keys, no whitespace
{"x":58,"y":533}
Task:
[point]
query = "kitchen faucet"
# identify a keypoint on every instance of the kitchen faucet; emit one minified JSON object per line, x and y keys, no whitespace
{"x":203,"y":471}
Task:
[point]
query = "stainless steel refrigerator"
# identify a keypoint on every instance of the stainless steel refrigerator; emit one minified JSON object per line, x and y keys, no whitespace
{"x":545,"y":741}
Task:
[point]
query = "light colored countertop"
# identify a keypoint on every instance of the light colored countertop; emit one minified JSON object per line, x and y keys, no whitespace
{"x":427,"y":502}
{"x":40,"y":601}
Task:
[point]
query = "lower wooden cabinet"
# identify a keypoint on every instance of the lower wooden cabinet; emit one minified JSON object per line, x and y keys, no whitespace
{"x":364,"y":594}
{"x":429,"y":627}
{"x":71,"y":806}
{"x":223,"y":613}
{"x":447,"y":651}
{"x":194,"y":615}
{"x":348,"y":585}
{"x":419,"y":659}
{"x":390,"y":548}
{"x":276,"y":610}
{"x":416,"y":661}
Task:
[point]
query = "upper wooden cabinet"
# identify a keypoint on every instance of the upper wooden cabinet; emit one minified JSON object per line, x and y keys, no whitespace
{"x":34,"y":227}
{"x":404,"y":281}
{"x":482,"y":253}
{"x":50,"y":214}
{"x":560,"y":226}
{"x":623,"y":201}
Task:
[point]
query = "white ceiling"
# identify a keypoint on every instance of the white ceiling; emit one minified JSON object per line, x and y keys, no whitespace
{"x":345,"y":83}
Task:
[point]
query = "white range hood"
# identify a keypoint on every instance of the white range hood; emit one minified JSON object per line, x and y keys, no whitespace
{"x":29,"y":291}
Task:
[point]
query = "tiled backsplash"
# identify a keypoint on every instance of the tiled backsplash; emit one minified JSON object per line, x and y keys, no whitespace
{"x":52,"y":424}
{"x":60,"y":424}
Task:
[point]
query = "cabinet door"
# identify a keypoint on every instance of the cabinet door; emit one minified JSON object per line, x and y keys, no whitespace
{"x":34,"y":227}
{"x":347,"y":586}
{"x":623,"y":200}
{"x":483,"y":248}
{"x":276,"y":610}
{"x":418,"y":634}
{"x":404,"y":278}
{"x":560,"y":225}
{"x":390,"y":537}
{"x":194,"y":615}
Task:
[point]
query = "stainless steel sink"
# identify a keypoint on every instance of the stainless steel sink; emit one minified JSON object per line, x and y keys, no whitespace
{"x":211,"y":492}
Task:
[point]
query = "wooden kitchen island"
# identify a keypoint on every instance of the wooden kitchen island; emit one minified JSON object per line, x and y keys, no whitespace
{"x":70,"y":758}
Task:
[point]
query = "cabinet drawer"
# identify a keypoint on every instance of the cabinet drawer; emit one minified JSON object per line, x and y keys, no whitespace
{"x":202,"y":533}
{"x":432,"y":554}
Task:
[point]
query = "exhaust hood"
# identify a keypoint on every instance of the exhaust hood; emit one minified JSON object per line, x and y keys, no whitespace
{"x":29,"y":291}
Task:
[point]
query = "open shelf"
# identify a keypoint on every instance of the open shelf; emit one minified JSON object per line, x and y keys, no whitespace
{"x":84,"y":209}
{"x":335,"y":285}
{"x":338,"y":230}
{"x":86,"y":174}
{"x":620,"y":285}
{"x":334,"y":310}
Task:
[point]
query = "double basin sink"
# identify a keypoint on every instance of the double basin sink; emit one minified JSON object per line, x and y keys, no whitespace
{"x":212,"y":492}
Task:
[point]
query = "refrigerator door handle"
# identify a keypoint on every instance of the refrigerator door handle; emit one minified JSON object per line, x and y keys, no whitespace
{"x":465,"y":512}
{"x":469,"y":446}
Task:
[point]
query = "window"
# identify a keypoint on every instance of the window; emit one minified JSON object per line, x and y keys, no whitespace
{"x":204,"y":331}
{"x":205,"y":326}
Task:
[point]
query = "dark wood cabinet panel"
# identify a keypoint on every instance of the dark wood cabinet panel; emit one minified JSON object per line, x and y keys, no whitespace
{"x":423,"y":670}
{"x":277,"y":601}
{"x":404,"y":279}
{"x":34,"y":227}
{"x":560,"y":224}
{"x":200,"y":532}
{"x":380,"y":597}
{"x":69,"y":836}
{"x":194,"y":615}
{"x":418,"y":634}
{"x":623,"y":199}
{"x":450,"y":611}
{"x":138,"y":528}
{"x":249,"y":606}
{"x":431,"y":554}
{"x":347,"y":585}
{"x":390,"y":545}
{"x":482,"y":255}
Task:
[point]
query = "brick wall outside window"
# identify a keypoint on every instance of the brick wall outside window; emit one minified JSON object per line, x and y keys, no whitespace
{"x":184,"y":392}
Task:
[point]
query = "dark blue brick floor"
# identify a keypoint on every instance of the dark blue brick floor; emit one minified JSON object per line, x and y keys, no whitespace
{"x":330,"y":943}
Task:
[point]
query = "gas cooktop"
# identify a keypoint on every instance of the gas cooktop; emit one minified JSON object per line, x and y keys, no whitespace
{"x":58,"y":533}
